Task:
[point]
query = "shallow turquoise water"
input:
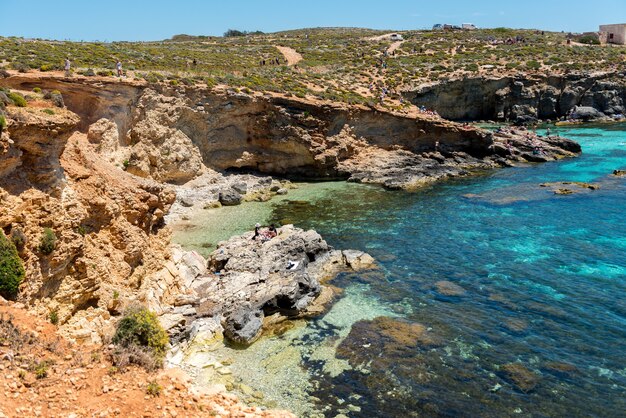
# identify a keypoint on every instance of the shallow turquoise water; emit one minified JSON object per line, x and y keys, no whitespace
{"x":555,"y":264}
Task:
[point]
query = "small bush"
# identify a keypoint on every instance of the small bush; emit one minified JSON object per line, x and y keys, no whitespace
{"x":138,"y":335}
{"x":3,"y":123}
{"x":20,"y":67}
{"x":11,"y":268}
{"x":54,"y":317}
{"x":589,"y":40}
{"x":153,"y":389}
{"x":48,"y":111}
{"x":533,"y":65}
{"x":37,"y":90}
{"x":46,"y":67}
{"x":19,"y":238}
{"x":41,"y":370}
{"x":48,"y":241}
{"x":17,"y":99}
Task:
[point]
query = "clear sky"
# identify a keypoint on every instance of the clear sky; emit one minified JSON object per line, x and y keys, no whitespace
{"x":110,"y":20}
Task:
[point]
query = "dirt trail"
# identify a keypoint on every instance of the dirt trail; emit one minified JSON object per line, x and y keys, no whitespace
{"x":290,"y":55}
{"x":394,"y":46}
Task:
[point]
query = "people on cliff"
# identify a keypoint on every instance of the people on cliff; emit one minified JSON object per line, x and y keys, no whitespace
{"x":118,"y":66}
{"x":67,"y":67}
{"x":272,"y":232}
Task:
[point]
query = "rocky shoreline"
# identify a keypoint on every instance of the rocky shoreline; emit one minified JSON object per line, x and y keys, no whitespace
{"x":109,"y":172}
{"x":525,"y":99}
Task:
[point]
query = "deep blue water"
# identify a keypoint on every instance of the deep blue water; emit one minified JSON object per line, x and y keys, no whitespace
{"x":553,"y":266}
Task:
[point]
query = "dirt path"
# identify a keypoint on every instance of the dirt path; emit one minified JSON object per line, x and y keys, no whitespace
{"x":394,"y":46}
{"x":290,"y":55}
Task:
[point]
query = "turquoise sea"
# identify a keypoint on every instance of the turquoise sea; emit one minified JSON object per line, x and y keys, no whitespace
{"x":544,"y":280}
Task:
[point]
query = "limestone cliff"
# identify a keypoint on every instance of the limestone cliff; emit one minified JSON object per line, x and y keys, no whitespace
{"x":108,"y":224}
{"x":523,"y":98}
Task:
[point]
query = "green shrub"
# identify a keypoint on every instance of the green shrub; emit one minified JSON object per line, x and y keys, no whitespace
{"x":3,"y":123}
{"x":533,"y":65}
{"x":153,"y":389}
{"x":48,"y":241}
{"x":17,"y":99}
{"x":46,"y":67}
{"x":11,"y":268}
{"x":37,"y":90}
{"x":589,"y":40}
{"x":48,"y":111}
{"x":41,"y":370}
{"x":53,"y":316}
{"x":140,"y":328}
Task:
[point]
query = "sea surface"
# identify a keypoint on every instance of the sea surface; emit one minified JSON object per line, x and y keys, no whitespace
{"x":535,"y":327}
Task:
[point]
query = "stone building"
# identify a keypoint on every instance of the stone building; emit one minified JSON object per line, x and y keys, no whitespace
{"x":613,"y":34}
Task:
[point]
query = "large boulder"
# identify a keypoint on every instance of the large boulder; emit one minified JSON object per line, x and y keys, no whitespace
{"x":587,"y":113}
{"x":229,"y":197}
{"x":244,"y":325}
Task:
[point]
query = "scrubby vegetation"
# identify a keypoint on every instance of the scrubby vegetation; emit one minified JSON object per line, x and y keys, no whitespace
{"x":48,"y":241}
{"x":139,"y":339}
{"x":153,"y":389}
{"x":349,"y":65}
{"x":11,"y":268}
{"x":17,"y":99}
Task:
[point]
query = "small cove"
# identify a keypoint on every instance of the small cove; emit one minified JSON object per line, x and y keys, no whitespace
{"x":544,"y":279}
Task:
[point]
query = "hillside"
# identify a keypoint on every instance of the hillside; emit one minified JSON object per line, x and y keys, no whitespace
{"x":349,"y":65}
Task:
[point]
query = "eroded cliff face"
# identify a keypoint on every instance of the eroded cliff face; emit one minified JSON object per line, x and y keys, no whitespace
{"x":279,"y":135}
{"x":520,"y":98}
{"x":175,"y":134}
{"x":108,"y":224}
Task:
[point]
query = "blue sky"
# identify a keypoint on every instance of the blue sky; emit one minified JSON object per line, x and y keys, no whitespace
{"x":157,"y":19}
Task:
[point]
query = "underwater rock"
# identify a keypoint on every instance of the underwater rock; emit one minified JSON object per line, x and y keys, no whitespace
{"x":523,"y":379}
{"x":447,"y":288}
{"x":516,"y":326}
{"x":387,"y":339}
{"x":560,"y":369}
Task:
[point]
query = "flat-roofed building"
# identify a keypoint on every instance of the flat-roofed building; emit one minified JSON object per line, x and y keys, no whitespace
{"x":613,"y":34}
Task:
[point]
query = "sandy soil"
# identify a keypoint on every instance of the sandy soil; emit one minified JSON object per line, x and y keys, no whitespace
{"x":80,"y":382}
{"x":290,"y":55}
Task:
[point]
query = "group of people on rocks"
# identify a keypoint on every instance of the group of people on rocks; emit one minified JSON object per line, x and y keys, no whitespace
{"x":264,"y":235}
{"x":429,"y":112}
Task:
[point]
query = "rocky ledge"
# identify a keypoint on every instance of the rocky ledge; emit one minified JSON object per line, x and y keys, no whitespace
{"x":401,"y":169}
{"x":251,"y":285}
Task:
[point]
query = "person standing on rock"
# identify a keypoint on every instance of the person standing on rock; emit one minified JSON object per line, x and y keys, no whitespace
{"x":119,"y":68}
{"x":67,"y":66}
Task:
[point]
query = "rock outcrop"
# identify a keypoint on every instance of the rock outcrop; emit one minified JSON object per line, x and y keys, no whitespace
{"x":108,"y":226}
{"x":524,"y":98}
{"x":248,"y":281}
